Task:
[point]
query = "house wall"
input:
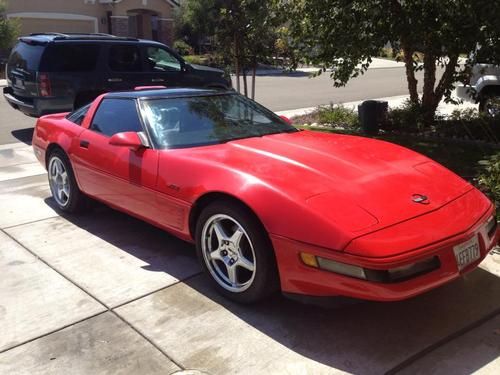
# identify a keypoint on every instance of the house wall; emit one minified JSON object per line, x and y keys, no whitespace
{"x":89,"y":16}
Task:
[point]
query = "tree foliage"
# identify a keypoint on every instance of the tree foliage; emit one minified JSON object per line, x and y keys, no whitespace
{"x":346,"y":34}
{"x":243,"y":31}
{"x":9,"y":29}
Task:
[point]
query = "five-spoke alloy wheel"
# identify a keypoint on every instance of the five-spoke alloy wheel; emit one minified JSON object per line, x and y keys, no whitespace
{"x":228,"y":253}
{"x":236,"y":253}
{"x":63,"y":186}
{"x":59,"y":182}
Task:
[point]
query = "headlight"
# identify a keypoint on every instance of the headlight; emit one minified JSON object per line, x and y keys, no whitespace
{"x":383,"y":276}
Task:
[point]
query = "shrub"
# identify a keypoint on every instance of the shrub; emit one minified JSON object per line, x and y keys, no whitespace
{"x":489,"y":180}
{"x":182,"y":47}
{"x":338,"y":115}
{"x":408,"y":117}
{"x":469,"y":124}
{"x":332,"y":115}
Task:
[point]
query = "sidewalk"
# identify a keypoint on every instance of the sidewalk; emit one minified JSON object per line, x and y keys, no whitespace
{"x":3,"y":82}
{"x":444,"y":109}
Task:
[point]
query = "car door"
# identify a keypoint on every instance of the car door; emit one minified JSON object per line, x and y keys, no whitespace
{"x":117,"y":175}
{"x":125,"y":68}
{"x":163,"y":67}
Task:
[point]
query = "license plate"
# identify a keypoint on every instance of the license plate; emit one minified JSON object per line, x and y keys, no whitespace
{"x":467,"y":252}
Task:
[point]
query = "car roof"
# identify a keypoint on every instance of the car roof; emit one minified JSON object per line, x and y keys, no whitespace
{"x":165,"y":93}
{"x":44,"y":38}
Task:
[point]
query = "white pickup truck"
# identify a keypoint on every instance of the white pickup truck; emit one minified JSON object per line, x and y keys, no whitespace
{"x":484,"y":88}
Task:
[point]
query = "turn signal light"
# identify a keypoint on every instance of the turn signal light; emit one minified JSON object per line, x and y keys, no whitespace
{"x":393,"y":275}
{"x":309,"y":260}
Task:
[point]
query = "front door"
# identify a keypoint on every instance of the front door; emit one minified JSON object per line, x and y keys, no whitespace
{"x":124,"y":67}
{"x":117,"y":175}
{"x":163,"y":67}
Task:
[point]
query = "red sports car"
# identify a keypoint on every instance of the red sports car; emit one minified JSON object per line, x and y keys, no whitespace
{"x":268,"y":206}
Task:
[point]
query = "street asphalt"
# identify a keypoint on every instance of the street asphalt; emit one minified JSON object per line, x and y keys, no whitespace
{"x":103,"y":293}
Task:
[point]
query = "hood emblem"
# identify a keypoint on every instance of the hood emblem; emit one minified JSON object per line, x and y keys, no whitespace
{"x":419,"y":198}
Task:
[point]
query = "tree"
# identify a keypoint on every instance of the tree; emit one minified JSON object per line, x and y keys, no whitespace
{"x":9,"y":29}
{"x":244,"y":31}
{"x":345,"y":34}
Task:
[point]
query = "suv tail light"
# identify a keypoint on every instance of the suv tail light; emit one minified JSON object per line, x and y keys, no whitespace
{"x":44,"y":84}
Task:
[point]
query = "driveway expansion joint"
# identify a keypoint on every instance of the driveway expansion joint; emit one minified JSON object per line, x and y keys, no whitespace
{"x":108,"y":308}
{"x":429,"y":349}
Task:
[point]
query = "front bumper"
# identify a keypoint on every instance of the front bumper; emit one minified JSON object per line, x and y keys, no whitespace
{"x":298,"y":278}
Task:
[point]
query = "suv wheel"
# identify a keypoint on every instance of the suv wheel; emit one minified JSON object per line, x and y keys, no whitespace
{"x":490,"y":105}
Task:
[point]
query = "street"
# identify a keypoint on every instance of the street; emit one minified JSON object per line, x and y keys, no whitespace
{"x":104,"y":293}
{"x":281,"y":93}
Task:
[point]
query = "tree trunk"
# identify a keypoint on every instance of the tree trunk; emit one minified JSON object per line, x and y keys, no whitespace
{"x":254,"y":69}
{"x":245,"y":86}
{"x":410,"y":74}
{"x":237,"y":63}
{"x":429,"y":98}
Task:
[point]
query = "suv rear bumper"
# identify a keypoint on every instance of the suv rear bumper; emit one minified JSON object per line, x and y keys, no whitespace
{"x":37,"y":107}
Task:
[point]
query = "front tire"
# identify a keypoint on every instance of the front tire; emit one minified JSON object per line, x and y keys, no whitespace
{"x":62,"y":182}
{"x":235,"y":252}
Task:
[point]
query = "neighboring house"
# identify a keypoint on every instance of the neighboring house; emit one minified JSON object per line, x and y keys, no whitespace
{"x":148,"y":19}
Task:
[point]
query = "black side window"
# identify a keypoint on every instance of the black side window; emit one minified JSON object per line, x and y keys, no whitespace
{"x":116,"y":116}
{"x":78,"y":115}
{"x":70,"y":57}
{"x":160,"y":60}
{"x":125,"y":58}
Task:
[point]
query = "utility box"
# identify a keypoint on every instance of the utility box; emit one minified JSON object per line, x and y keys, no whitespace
{"x":372,"y":114}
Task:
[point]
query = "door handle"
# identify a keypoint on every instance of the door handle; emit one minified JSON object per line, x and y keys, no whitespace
{"x":157,"y":80}
{"x":84,"y":144}
{"x":115,"y":80}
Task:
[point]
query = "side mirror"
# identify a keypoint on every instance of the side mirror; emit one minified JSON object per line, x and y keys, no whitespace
{"x":126,"y":139}
{"x":286,"y":119}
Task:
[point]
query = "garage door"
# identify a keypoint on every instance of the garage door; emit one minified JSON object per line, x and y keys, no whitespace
{"x":37,"y":25}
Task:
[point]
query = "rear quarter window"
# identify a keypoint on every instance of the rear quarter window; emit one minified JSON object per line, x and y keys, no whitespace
{"x":116,"y":116}
{"x":25,"y":57}
{"x":77,"y":116}
{"x":70,"y":57}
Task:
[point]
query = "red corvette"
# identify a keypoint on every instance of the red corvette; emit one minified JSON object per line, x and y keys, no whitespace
{"x":268,"y":206}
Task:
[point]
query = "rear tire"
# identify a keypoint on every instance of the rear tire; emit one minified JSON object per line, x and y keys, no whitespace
{"x":62,"y":182}
{"x":235,"y":252}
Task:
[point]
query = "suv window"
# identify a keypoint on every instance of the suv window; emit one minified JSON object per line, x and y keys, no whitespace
{"x":125,"y":58}
{"x":116,"y":116}
{"x":161,"y":60}
{"x":25,"y":56}
{"x":70,"y":57}
{"x":78,"y":115}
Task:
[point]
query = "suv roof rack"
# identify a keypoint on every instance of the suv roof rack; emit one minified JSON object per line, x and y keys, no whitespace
{"x":82,"y":36}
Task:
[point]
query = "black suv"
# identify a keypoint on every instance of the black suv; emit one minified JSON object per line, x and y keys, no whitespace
{"x":52,"y":72}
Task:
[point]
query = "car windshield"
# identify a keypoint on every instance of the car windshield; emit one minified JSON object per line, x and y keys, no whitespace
{"x":205,"y":120}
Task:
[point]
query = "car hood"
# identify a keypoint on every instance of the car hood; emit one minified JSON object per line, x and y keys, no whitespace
{"x":207,"y":69}
{"x":360,"y":184}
